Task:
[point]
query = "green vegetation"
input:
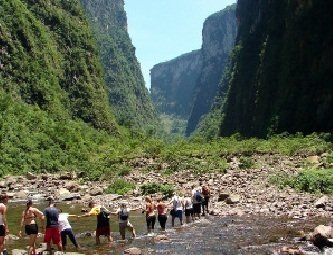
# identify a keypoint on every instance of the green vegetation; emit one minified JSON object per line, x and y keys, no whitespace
{"x":280,"y":72}
{"x":49,"y":58}
{"x":152,"y":188}
{"x":246,"y":163}
{"x":120,"y":187}
{"x":128,"y":95}
{"x":171,"y":127}
{"x":310,"y":180}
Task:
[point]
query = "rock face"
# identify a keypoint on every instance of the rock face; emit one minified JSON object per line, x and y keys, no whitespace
{"x":172,"y":84}
{"x":127,"y":92}
{"x":186,"y":86}
{"x":281,"y":73}
{"x":218,"y":35}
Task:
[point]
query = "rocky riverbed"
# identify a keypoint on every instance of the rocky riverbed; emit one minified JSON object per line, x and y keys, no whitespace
{"x":236,"y":192}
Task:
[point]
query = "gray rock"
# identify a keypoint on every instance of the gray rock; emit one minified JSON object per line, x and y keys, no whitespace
{"x":133,"y":251}
{"x":95,"y":191}
{"x":233,"y":199}
{"x":321,"y":202}
{"x":321,"y":235}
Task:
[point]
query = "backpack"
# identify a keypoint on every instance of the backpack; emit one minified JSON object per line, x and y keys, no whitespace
{"x":198,"y":197}
{"x":103,"y":217}
{"x":123,"y":214}
{"x":205,"y":191}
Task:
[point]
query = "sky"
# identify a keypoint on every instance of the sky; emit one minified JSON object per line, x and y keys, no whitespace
{"x":164,"y":29}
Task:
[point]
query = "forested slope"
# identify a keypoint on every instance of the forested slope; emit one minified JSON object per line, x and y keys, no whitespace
{"x":54,"y":110}
{"x":48,"y":58}
{"x":127,"y":92}
{"x":282,"y":71}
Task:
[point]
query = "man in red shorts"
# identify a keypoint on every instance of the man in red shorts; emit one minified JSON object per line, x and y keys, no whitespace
{"x":52,"y":232}
{"x":103,"y":221}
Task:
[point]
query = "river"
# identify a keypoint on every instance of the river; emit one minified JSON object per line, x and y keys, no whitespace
{"x":210,"y":236}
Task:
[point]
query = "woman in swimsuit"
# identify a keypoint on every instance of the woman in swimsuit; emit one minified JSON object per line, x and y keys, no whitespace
{"x":29,"y":217}
{"x":150,"y":214}
{"x":161,"y":213}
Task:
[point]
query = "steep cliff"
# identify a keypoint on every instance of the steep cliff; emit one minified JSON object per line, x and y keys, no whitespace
{"x":172,"y":84}
{"x":282,"y":70}
{"x":48,"y":58}
{"x":219,"y":33}
{"x":127,"y":92}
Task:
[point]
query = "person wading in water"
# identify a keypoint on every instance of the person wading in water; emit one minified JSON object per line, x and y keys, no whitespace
{"x":205,"y":202}
{"x":29,"y":221}
{"x":103,"y":220}
{"x":150,"y":214}
{"x":3,"y":223}
{"x":161,"y":213}
{"x":52,"y":231}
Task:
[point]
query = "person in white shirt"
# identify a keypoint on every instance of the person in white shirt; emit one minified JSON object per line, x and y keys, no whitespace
{"x":66,"y":230}
{"x":178,"y":206}
{"x":188,"y":209}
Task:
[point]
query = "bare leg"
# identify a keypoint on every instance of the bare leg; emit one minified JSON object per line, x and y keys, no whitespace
{"x":59,"y":246}
{"x":132,"y":230}
{"x":98,"y":242}
{"x":109,"y":238}
{"x":32,"y":248}
{"x":49,"y":248}
{"x":2,"y":243}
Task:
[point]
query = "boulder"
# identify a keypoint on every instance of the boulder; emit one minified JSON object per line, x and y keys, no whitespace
{"x":321,"y":202}
{"x":65,"y":176}
{"x":62,"y":191}
{"x":223,"y":197}
{"x":290,"y":251}
{"x":233,"y":199}
{"x":95,"y":191}
{"x":72,"y":186}
{"x":321,"y":235}
{"x":313,"y":159}
{"x":159,"y":238}
{"x":133,"y":251}
{"x":31,"y":176}
{"x":3,"y":184}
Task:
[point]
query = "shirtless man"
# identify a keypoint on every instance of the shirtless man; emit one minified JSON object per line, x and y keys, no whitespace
{"x":29,"y":220}
{"x":3,"y":223}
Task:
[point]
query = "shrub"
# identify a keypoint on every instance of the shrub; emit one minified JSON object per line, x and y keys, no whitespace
{"x":152,"y":188}
{"x":310,"y":180}
{"x":120,"y":187}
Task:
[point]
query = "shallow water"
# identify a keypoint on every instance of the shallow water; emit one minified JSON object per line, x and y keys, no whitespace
{"x":210,"y":236}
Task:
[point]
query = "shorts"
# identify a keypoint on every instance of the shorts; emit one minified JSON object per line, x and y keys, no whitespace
{"x":31,"y":229}
{"x":52,"y":234}
{"x":206,"y":200}
{"x":197,"y":208}
{"x":103,"y":231}
{"x":188,"y":212}
{"x":178,"y":214}
{"x":123,"y":226}
{"x":2,"y":230}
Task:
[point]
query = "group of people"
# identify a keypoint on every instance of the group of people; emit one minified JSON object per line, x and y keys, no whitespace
{"x":192,"y":206}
